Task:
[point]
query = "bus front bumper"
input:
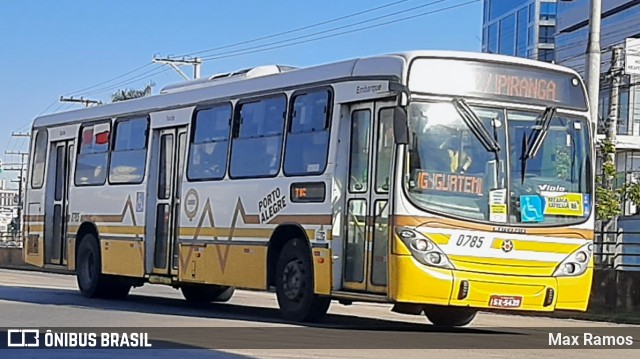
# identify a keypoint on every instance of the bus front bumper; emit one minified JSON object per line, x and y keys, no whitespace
{"x":417,"y":283}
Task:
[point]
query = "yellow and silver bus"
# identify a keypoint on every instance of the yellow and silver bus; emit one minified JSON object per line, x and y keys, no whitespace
{"x":442,"y":183}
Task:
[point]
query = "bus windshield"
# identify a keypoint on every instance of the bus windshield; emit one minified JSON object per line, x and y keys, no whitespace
{"x":451,"y":172}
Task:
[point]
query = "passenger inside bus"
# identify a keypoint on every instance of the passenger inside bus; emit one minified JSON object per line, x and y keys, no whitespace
{"x":205,"y":163}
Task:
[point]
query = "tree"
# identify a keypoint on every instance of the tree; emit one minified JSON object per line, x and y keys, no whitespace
{"x":608,"y":197}
{"x":128,"y":94}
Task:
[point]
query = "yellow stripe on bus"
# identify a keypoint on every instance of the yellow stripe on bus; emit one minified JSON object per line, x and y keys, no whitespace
{"x":438,"y":238}
{"x":190,"y":231}
{"x":535,"y":246}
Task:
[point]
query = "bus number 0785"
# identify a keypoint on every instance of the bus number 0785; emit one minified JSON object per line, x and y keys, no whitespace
{"x":466,"y":240}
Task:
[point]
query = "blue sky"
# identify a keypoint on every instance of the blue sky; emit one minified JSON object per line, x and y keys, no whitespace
{"x":55,"y":48}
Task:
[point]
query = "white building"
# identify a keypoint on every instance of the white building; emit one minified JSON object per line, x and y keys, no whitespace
{"x":8,"y":205}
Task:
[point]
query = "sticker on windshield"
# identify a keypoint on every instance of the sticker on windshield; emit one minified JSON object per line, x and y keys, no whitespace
{"x":498,"y":196}
{"x":587,"y":205}
{"x":498,"y":213}
{"x":568,"y":204}
{"x":531,"y":209}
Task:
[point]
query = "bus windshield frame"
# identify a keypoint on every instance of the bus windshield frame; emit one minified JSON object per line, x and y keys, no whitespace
{"x":491,"y":187}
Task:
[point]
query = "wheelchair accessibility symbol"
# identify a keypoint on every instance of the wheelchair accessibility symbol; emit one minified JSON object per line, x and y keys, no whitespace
{"x":531,"y":209}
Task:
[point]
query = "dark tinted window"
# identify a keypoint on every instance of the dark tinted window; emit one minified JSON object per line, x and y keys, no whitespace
{"x":209,"y":143}
{"x":91,"y":164}
{"x":257,"y":141}
{"x":308,"y":139}
{"x":129,"y":154}
{"x":39,"y":159}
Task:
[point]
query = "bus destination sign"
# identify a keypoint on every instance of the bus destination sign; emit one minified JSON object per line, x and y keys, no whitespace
{"x":498,"y":81}
{"x":517,"y":85}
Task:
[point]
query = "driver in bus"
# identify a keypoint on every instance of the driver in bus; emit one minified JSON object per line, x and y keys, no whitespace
{"x":459,"y":160}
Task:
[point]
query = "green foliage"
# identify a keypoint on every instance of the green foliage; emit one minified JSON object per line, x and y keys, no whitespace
{"x":563,"y":162}
{"x":633,"y":193}
{"x":128,"y":94}
{"x":608,"y":198}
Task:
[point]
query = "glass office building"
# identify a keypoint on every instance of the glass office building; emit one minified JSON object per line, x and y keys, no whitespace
{"x":620,"y":20}
{"x":523,"y":28}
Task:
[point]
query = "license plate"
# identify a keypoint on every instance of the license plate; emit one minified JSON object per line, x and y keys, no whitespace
{"x":505,"y":301}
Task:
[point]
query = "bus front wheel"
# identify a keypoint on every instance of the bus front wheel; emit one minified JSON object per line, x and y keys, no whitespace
{"x":294,"y":285}
{"x":444,"y":316}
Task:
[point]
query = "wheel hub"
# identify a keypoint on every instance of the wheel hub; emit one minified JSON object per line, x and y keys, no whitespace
{"x":292,"y":280}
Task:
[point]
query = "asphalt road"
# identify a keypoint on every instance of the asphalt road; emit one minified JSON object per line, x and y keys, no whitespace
{"x":250,"y":326}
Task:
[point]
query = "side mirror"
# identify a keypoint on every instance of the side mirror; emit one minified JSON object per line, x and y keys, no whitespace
{"x":400,"y":127}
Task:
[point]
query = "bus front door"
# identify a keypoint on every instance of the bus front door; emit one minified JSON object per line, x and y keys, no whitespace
{"x":367,"y":198}
{"x":56,"y":203}
{"x":161,"y":227}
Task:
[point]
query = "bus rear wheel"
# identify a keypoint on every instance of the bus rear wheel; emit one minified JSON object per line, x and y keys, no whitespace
{"x":207,"y":293}
{"x":91,"y":281}
{"x":294,"y":285}
{"x":447,"y":316}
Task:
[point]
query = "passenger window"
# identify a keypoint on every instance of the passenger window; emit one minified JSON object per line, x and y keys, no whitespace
{"x":39,"y":159}
{"x":384,"y":150}
{"x":209,"y":143}
{"x":307,"y":144}
{"x":257,"y":142}
{"x":129,"y":154}
{"x":359,"y":158}
{"x":91,"y":164}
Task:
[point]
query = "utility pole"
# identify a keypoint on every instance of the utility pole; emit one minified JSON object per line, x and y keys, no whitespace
{"x":196,"y":62}
{"x":20,"y":180}
{"x":593,"y":60}
{"x":615,"y":73}
{"x":86,"y":103}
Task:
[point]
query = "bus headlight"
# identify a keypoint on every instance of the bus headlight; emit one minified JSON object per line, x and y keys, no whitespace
{"x":576,"y":263}
{"x":423,"y":249}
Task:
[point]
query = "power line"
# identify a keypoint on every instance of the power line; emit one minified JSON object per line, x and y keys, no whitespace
{"x":294,"y":30}
{"x":146,"y":74}
{"x":244,"y":52}
{"x":110,"y":80}
{"x":98,"y":89}
{"x":216,"y":56}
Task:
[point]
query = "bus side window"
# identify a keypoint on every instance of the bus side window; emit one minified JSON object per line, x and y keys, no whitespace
{"x":129,"y":154}
{"x":307,"y":143}
{"x":39,"y":159}
{"x":209,"y":143}
{"x":91,"y":163}
{"x":256,"y":147}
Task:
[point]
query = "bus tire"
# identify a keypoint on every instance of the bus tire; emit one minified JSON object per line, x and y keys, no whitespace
{"x":206,"y":294}
{"x":294,"y":285}
{"x":116,"y":288}
{"x":91,"y":282}
{"x":449,"y":316}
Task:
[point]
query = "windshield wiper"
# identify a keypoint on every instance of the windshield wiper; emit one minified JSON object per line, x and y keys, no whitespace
{"x":476,"y":126}
{"x":539,"y":132}
{"x":532,"y":144}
